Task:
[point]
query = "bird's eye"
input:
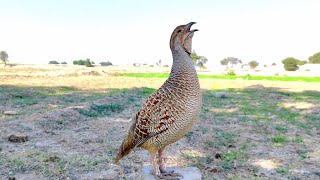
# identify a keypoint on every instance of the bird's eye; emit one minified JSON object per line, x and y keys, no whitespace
{"x":179,"y":30}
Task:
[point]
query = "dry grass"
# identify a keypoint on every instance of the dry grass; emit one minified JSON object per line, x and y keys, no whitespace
{"x":76,"y":117}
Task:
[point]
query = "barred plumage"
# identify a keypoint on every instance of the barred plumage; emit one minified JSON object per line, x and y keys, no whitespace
{"x":169,"y":113}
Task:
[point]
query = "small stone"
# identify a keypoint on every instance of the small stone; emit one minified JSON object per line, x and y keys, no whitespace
{"x":221,"y":94}
{"x":18,"y":138}
{"x":10,"y":113}
{"x":231,"y":146}
{"x":217,"y":156}
{"x":189,"y":173}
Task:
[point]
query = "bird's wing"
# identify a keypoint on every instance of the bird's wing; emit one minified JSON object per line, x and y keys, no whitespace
{"x":157,"y":115}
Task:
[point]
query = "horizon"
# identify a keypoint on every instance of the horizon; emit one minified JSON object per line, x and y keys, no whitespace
{"x":125,"y":32}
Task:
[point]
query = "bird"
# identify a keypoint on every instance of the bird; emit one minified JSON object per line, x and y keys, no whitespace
{"x":168,"y":114}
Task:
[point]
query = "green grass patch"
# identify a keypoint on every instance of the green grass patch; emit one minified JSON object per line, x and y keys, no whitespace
{"x":297,"y":140}
{"x":96,"y":110}
{"x":223,"y":138}
{"x":148,"y":91}
{"x":233,"y":157}
{"x":280,"y":139}
{"x":231,"y":77}
{"x":282,"y":171}
{"x":281,"y":129}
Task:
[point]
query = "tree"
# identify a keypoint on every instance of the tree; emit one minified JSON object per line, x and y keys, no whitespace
{"x":273,"y":64}
{"x":315,"y":59}
{"x":224,"y":62}
{"x":253,"y":64}
{"x":54,"y":62}
{"x":290,"y":64}
{"x":79,"y":62}
{"x":108,"y":63}
{"x":88,"y":63}
{"x":4,"y":57}
{"x":64,"y":63}
{"x":198,"y":60}
{"x":230,"y":60}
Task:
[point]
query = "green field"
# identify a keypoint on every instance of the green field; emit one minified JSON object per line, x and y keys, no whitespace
{"x":248,"y":77}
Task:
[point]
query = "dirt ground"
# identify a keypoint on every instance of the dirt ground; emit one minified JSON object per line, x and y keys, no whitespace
{"x":67,"y":123}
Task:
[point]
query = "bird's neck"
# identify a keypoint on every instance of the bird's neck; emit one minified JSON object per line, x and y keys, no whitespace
{"x":182,"y":63}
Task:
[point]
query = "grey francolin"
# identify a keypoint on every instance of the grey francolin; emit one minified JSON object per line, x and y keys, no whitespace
{"x":168,"y":114}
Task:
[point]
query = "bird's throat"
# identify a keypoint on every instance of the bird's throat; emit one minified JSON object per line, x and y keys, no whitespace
{"x":182,"y":63}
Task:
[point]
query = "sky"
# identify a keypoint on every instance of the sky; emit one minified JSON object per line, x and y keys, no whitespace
{"x":126,"y":31}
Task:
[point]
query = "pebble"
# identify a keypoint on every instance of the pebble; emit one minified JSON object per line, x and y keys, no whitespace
{"x":221,"y":94}
{"x":11,"y":113}
{"x":18,"y":138}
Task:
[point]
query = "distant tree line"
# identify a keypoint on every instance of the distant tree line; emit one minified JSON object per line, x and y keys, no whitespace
{"x":85,"y":62}
{"x":289,"y":64}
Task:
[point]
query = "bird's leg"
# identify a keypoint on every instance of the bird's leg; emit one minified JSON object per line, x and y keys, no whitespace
{"x":155,"y":166}
{"x":161,"y":161}
{"x":165,"y":173}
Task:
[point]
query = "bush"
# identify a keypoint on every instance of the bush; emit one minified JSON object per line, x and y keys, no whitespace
{"x":231,"y":72}
{"x":253,"y":64}
{"x":108,"y":63}
{"x":290,"y":64}
{"x":64,"y":63}
{"x":54,"y":62}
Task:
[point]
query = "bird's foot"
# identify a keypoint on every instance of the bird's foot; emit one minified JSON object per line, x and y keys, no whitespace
{"x":169,"y":175}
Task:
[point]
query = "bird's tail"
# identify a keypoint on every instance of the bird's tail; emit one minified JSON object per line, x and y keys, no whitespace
{"x":124,"y":150}
{"x":126,"y":146}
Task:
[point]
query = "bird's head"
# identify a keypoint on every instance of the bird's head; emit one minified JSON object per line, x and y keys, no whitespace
{"x":182,"y":35}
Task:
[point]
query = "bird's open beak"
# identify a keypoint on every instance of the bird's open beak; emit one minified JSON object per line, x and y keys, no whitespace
{"x":188,"y":34}
{"x":188,"y":27}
